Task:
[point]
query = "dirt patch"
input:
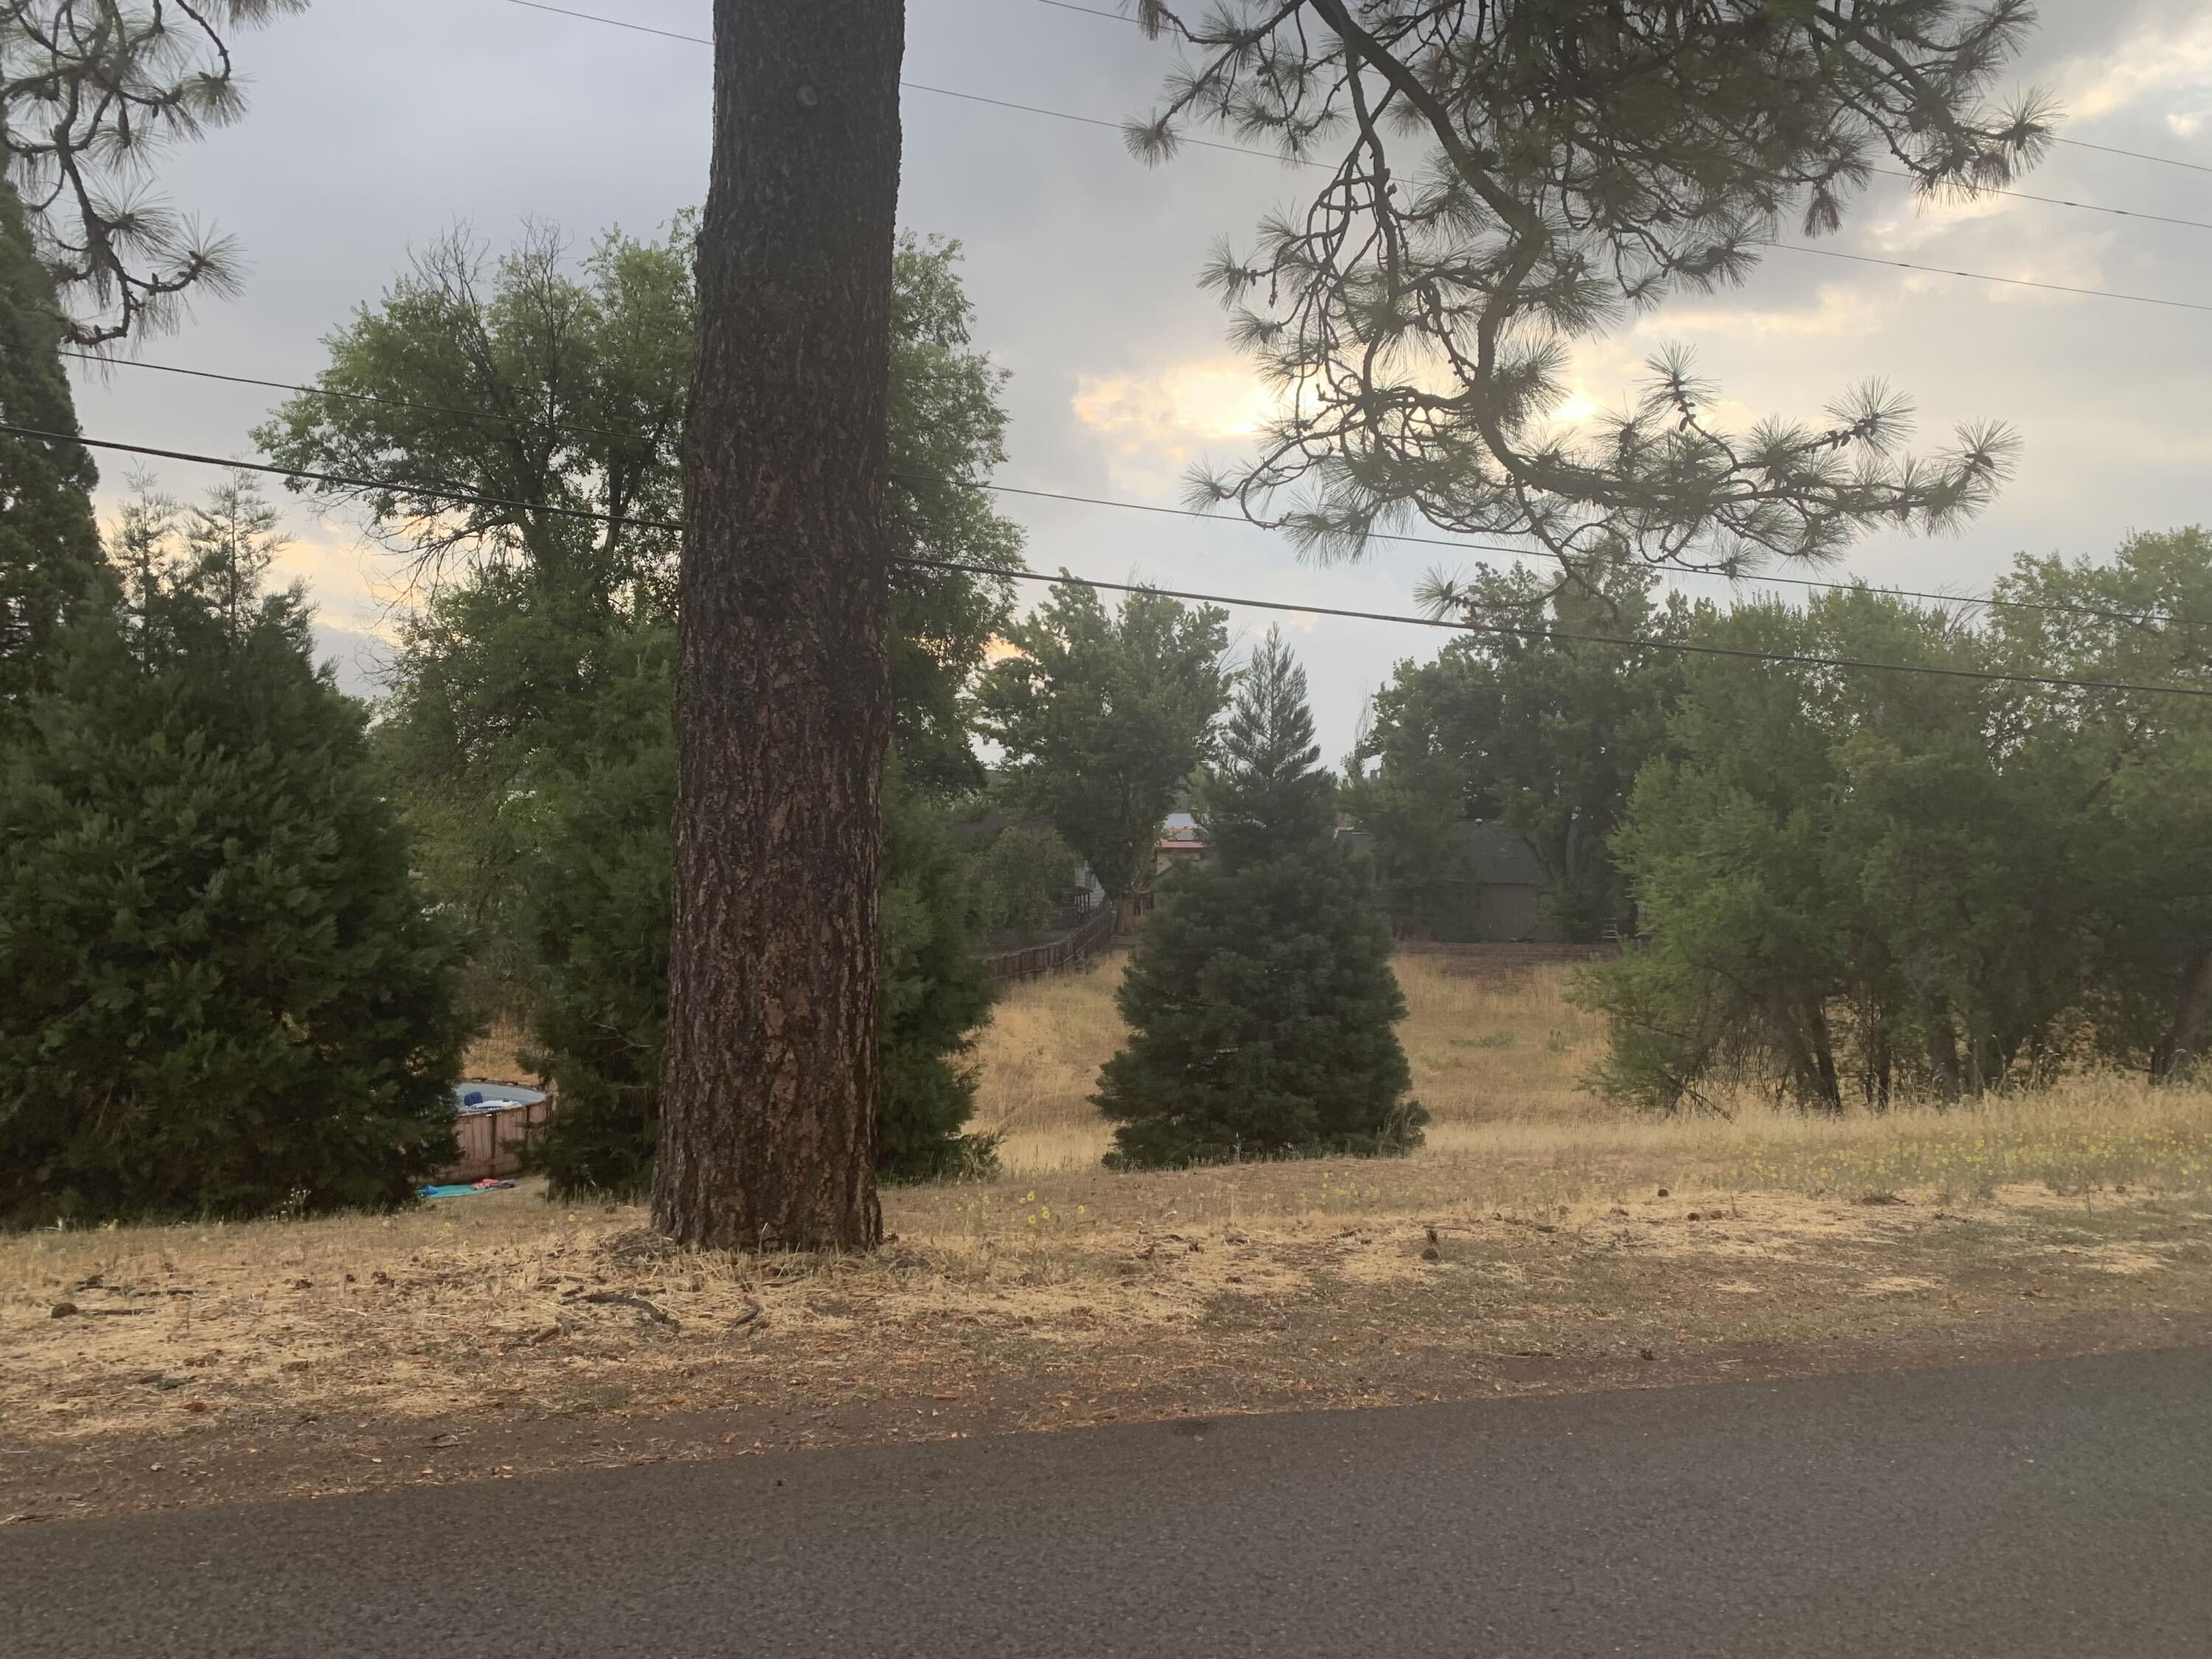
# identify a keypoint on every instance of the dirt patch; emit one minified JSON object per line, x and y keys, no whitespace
{"x":500,"y":1335}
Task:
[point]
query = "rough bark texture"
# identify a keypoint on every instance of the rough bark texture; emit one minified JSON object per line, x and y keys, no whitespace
{"x":783,"y":699}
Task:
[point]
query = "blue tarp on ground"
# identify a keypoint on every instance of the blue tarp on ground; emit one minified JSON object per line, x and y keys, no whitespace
{"x":463,"y":1191}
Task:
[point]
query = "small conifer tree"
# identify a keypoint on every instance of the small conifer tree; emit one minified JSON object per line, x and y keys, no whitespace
{"x":225,"y":994}
{"x":1260,"y":1002}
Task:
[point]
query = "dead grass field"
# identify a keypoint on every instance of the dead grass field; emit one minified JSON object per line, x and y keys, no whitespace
{"x":1541,"y":1241}
{"x":1487,"y":1049}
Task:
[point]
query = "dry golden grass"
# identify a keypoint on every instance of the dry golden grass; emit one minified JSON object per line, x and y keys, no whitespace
{"x":1537,"y":1221}
{"x":1496,"y":1057}
{"x":1487,"y":1048}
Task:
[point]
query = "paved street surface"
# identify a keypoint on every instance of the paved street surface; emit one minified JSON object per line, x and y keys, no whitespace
{"x":2055,"y":1509}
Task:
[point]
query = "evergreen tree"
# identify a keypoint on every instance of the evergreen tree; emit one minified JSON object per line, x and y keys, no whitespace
{"x":226,"y":995}
{"x":90,"y":90}
{"x":49,"y":554}
{"x":1503,"y":181}
{"x":1260,"y":1002}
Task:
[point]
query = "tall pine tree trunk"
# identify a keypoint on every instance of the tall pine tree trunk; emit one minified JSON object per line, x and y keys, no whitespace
{"x":767,"y":1135}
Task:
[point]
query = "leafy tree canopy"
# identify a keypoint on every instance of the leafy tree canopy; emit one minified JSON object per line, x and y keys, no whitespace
{"x":1872,"y":884}
{"x":1524,"y":726}
{"x":1104,"y":714}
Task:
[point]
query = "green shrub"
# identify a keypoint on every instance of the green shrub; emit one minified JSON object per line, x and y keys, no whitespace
{"x":225,"y":996}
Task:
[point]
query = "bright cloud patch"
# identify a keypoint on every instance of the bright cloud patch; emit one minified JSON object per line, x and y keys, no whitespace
{"x":1156,"y":425}
{"x":1838,"y":312}
{"x":2170,"y":71}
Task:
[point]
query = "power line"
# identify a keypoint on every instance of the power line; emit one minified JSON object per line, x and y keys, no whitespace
{"x":2072,"y":143}
{"x":1116,"y":126}
{"x":1983,"y":276}
{"x":2060,"y":201}
{"x":1284,"y":606}
{"x":2133,"y":154}
{"x":912,"y":86}
{"x":408,"y":402}
{"x":1462,"y":546}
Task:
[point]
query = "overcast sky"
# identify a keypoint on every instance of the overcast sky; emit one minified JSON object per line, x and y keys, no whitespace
{"x":377,"y":124}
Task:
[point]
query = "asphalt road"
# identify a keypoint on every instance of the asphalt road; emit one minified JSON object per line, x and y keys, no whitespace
{"x":2055,"y":1508}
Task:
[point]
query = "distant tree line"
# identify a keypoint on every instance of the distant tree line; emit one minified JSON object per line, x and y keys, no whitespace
{"x":1848,"y":885}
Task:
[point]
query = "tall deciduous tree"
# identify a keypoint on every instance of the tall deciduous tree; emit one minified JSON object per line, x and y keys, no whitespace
{"x":1104,"y":716}
{"x":1508,"y":177}
{"x":530,"y":376}
{"x":1536,"y":726}
{"x":89,"y":91}
{"x":783,"y":684}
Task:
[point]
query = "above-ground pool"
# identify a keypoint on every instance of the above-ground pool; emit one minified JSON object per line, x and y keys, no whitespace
{"x":493,"y":1097}
{"x":494,"y":1122}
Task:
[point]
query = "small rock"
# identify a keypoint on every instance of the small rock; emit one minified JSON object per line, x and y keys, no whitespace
{"x":1694,"y":1216}
{"x":196,"y":1405}
{"x":1662,"y":1192}
{"x":379,"y":1277}
{"x":1429,"y":1253}
{"x":63,"y":1310}
{"x":348,"y":1279}
{"x":1545,"y":1227}
{"x":1645,"y":1353}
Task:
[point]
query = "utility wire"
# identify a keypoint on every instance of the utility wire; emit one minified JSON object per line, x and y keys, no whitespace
{"x":1984,"y":599}
{"x":1240,"y":149}
{"x":1983,"y":276}
{"x":2134,"y":154}
{"x":1503,"y":630}
{"x":2073,"y":143}
{"x":95,"y":358}
{"x":911,"y":85}
{"x":2060,"y":201}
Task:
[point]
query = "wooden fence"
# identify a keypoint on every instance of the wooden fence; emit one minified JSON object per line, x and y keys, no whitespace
{"x":1085,"y":942}
{"x":493,"y":1142}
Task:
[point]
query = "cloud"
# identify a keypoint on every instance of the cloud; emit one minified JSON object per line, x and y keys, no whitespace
{"x":1930,"y":219}
{"x":2168,"y":70}
{"x":1156,"y":423}
{"x":1839,"y":311}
